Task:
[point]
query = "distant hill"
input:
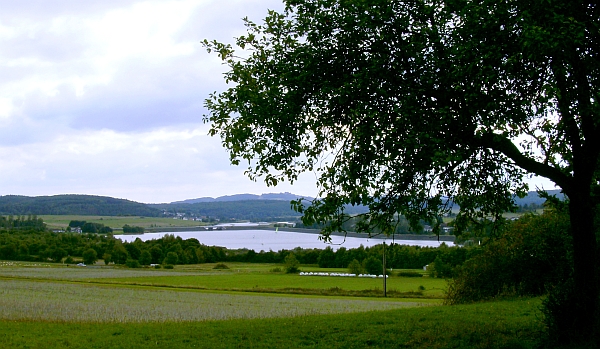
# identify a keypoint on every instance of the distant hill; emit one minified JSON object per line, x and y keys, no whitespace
{"x":74,"y":205}
{"x":245,"y":197}
{"x":534,"y":198}
{"x":265,"y":207}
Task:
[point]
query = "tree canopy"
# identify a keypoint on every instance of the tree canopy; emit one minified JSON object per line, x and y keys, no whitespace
{"x":407,"y":106}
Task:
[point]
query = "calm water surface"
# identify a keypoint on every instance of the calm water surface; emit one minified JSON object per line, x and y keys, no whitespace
{"x":266,"y":240}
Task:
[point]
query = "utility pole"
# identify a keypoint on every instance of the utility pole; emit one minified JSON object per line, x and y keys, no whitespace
{"x":384,"y":273}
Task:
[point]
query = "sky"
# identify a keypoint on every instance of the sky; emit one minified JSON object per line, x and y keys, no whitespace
{"x":106,"y":97}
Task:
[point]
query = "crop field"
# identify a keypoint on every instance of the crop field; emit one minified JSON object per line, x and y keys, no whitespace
{"x":57,"y":301}
{"x":501,"y":324}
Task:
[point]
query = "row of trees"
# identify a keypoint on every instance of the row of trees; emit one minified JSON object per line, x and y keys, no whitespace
{"x":30,"y":245}
{"x":30,"y":222}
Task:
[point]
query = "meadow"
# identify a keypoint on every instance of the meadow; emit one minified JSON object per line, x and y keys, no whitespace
{"x":197,"y":306}
{"x":117,"y":222}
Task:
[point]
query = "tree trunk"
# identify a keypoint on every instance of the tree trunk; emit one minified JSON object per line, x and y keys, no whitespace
{"x":585,"y":314}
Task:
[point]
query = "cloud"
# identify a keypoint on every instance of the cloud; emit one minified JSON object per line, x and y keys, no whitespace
{"x":105,"y":97}
{"x":162,"y":165}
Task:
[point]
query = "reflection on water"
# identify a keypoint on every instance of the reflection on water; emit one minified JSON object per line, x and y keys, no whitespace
{"x":266,"y":240}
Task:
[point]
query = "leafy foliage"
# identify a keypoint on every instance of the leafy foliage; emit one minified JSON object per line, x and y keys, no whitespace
{"x":533,"y":256}
{"x":291,"y":264}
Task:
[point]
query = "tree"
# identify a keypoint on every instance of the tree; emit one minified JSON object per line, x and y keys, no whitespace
{"x":291,"y":264}
{"x":119,"y":253}
{"x":326,"y":258}
{"x":373,"y":266}
{"x":145,"y":257}
{"x":171,"y":258}
{"x":355,"y":267}
{"x":406,"y":107}
{"x":90,"y":256}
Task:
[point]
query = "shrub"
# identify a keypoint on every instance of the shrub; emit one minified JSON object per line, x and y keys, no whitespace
{"x":275,"y":270}
{"x":133,"y":263}
{"x":373,"y":266}
{"x":157,"y":266}
{"x":355,"y":267}
{"x":168,"y":266}
{"x":220,"y":266}
{"x":531,"y":256}
{"x":69,"y":260}
{"x":291,"y":264}
{"x":410,"y":274}
{"x":90,"y":256}
{"x":172,"y":258}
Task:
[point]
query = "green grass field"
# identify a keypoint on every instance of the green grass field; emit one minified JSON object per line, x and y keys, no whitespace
{"x":116,"y":222}
{"x":45,"y":305}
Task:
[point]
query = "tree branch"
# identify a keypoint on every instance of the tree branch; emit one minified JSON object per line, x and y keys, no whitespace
{"x":505,"y":146}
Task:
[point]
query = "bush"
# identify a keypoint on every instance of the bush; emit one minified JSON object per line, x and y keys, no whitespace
{"x":355,"y":267}
{"x":373,"y":266}
{"x":90,"y":256}
{"x":291,"y":264}
{"x":410,"y":274}
{"x":168,"y":266}
{"x":531,"y":256}
{"x":157,"y":266}
{"x":275,"y":270}
{"x":133,"y":263}
{"x":69,"y":260}
{"x":220,"y":266}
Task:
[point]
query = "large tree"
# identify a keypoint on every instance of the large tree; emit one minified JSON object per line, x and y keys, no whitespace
{"x":405,"y":105}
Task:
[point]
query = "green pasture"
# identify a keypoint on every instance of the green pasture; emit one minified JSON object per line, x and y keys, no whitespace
{"x":117,"y":222}
{"x":434,"y":288}
{"x":240,"y":277}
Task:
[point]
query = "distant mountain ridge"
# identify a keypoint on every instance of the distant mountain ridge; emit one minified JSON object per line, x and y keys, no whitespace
{"x":245,"y":197}
{"x":242,"y":206}
{"x":532,"y":197}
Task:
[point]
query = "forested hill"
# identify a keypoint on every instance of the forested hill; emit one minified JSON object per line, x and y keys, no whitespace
{"x":245,"y":197}
{"x":253,"y":210}
{"x":74,"y":205}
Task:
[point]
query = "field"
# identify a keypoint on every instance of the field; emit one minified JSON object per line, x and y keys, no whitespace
{"x":197,"y":306}
{"x":117,"y":223}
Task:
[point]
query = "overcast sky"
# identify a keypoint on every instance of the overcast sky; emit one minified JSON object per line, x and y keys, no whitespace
{"x":105,"y":97}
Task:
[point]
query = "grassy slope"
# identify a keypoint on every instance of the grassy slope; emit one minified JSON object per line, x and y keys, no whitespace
{"x":502,"y":324}
{"x":117,"y":222}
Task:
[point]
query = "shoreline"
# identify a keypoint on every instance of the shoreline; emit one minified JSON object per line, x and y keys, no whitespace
{"x":448,"y":238}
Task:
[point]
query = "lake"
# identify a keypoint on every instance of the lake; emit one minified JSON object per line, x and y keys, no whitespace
{"x":265,"y":240}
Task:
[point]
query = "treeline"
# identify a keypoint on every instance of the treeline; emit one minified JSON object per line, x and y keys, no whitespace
{"x":31,"y":222}
{"x":74,"y":205}
{"x":89,"y":227}
{"x":36,"y":245}
{"x":45,"y":246}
